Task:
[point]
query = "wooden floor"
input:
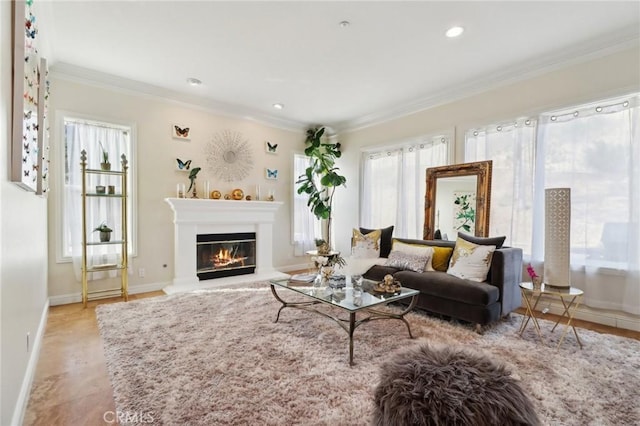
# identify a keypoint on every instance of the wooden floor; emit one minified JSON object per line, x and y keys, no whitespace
{"x":71,"y":384}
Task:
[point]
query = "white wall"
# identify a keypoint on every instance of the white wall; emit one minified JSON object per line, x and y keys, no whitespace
{"x":612,"y":75}
{"x":157,"y":175}
{"x":23,"y":258}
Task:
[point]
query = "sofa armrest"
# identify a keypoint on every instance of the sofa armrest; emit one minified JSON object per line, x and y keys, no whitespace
{"x":506,"y":274}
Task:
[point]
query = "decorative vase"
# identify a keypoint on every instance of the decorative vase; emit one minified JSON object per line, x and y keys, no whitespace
{"x":105,"y":236}
{"x":537,"y":283}
{"x":322,"y":279}
{"x":105,"y":166}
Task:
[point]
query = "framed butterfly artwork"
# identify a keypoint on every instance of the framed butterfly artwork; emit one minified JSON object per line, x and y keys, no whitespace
{"x":180,"y":132}
{"x":270,"y":148}
{"x":271,"y":174}
{"x":25,"y":152}
{"x":183,"y":166}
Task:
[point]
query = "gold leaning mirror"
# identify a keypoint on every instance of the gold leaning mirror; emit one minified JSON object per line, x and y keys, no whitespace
{"x":458,"y":199}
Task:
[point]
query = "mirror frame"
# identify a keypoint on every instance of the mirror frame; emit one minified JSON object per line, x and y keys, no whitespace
{"x":480,"y":169}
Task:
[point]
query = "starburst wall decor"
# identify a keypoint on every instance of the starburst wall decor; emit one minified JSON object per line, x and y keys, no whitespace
{"x":229,"y":156}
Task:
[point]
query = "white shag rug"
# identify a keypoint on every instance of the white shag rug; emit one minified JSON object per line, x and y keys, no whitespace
{"x":218,"y":358}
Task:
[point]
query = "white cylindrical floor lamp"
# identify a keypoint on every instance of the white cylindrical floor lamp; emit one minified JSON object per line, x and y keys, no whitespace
{"x":557,"y":237}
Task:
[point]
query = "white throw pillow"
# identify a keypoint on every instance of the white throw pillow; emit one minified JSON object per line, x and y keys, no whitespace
{"x":470,"y":261}
{"x":365,"y":246}
{"x":418,"y":249}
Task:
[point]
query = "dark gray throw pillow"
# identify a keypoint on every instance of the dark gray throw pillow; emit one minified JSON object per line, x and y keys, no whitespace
{"x":385,"y":239}
{"x":483,"y":241}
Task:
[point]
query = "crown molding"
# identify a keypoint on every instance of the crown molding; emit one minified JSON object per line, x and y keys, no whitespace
{"x":76,"y":74}
{"x":627,"y":38}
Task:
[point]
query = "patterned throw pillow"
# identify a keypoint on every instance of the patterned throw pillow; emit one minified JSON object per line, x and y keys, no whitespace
{"x":470,"y":261}
{"x":365,"y":246}
{"x":407,"y":261}
{"x":418,"y":249}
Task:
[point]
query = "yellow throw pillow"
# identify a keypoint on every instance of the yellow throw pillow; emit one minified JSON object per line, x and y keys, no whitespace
{"x":365,"y":246}
{"x":441,"y":256}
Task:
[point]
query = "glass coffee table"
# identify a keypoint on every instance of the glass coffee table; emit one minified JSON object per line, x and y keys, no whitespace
{"x":354,"y":301}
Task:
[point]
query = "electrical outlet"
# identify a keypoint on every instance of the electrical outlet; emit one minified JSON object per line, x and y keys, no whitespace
{"x":141,"y":272}
{"x":28,"y":343}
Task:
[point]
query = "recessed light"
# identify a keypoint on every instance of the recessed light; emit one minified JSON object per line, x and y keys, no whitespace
{"x":454,"y":31}
{"x":278,"y":106}
{"x":194,"y":81}
{"x":344,"y":24}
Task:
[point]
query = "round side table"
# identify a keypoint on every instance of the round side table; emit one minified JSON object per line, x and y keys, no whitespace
{"x":570,"y":298}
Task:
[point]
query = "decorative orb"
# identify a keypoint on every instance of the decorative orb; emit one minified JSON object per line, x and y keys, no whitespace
{"x":216,"y":195}
{"x":227,"y":196}
{"x":237,"y":194}
{"x":248,"y":198}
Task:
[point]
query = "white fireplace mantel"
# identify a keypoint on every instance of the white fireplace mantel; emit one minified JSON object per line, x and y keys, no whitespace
{"x":203,"y":216}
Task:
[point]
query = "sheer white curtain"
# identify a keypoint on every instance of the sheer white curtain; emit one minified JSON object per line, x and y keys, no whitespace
{"x":85,"y":135}
{"x":380,"y":183}
{"x":511,"y":147}
{"x":394,"y":184}
{"x":306,"y":228}
{"x":595,"y":151}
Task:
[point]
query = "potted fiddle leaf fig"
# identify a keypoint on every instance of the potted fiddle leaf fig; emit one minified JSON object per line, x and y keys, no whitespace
{"x":105,"y":232}
{"x":321,"y":178}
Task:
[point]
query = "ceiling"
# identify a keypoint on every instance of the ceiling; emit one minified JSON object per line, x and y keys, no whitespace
{"x":393,"y":58}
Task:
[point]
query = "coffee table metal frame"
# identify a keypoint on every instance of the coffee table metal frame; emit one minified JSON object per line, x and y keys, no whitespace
{"x":323,"y":296}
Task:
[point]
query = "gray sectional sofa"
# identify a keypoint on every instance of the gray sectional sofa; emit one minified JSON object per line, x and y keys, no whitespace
{"x":479,"y":303}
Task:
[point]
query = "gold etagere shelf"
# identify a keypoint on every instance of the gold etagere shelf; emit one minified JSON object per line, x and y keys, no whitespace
{"x":122,"y":264}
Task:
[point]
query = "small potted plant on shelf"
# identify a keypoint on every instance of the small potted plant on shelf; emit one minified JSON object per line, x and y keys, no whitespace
{"x":105,"y":232}
{"x":105,"y":164}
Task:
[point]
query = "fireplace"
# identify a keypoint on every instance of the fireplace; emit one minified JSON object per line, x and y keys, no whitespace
{"x":225,"y":255}
{"x":194,"y":217}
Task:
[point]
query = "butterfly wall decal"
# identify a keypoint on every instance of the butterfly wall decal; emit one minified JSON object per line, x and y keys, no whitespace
{"x":272,"y":174}
{"x":183,"y":165}
{"x":181,"y":132}
{"x":271,"y":147}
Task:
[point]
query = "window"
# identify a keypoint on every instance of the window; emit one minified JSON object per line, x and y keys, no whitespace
{"x":511,"y":147}
{"x":594,"y":150}
{"x":306,"y":228}
{"x":81,"y":134}
{"x":393,"y":184}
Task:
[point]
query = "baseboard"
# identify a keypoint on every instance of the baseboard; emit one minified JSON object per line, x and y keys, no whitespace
{"x":65,"y":299}
{"x":605,"y":317}
{"x":27,"y":381}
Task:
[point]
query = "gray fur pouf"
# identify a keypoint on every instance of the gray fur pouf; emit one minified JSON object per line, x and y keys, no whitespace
{"x":440,"y":385}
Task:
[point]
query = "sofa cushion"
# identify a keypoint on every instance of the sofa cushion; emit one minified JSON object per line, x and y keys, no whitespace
{"x":365,"y":246}
{"x":470,"y":261}
{"x":417,"y":249}
{"x":377,"y":272}
{"x":408,"y":261}
{"x":483,"y":241}
{"x":385,"y":239}
{"x":447,"y":286}
{"x":442,"y":251}
{"x":441,"y":257}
